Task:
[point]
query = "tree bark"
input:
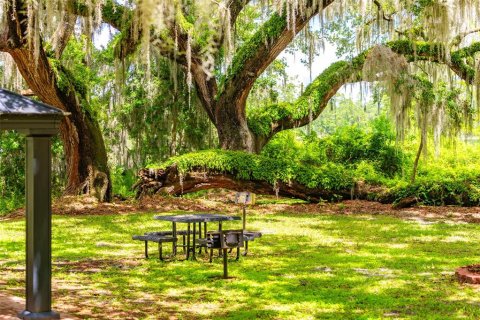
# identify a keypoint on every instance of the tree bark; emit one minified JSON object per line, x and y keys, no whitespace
{"x":232,"y":127}
{"x":417,"y":159}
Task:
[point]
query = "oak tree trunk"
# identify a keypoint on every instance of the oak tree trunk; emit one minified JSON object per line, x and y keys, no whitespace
{"x":233,"y":131}
{"x":232,"y":127}
{"x":84,"y":147}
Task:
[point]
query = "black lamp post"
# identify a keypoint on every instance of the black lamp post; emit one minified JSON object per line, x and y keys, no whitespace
{"x":39,"y":122}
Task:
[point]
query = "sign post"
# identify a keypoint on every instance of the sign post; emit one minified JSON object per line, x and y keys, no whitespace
{"x":244,"y":198}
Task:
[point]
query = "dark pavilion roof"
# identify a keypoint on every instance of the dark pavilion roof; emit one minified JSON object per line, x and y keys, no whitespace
{"x":32,"y":117}
{"x":13,"y":103}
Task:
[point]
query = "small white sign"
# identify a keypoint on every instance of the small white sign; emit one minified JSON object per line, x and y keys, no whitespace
{"x":244,"y":198}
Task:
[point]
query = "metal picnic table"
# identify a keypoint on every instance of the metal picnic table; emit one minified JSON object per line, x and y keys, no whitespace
{"x":194,"y":218}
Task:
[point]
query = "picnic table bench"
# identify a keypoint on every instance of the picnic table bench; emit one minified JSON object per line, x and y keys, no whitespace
{"x":160,"y":239}
{"x":224,"y":240}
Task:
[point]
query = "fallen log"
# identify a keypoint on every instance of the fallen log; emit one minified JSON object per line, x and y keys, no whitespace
{"x":223,"y":169}
{"x":170,"y":181}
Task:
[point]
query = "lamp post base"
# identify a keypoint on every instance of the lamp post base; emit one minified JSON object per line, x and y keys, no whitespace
{"x":51,"y":315}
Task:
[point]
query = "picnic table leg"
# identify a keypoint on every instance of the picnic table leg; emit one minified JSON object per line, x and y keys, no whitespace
{"x":220,"y":230}
{"x":174,"y":234}
{"x":194,"y":249}
{"x":205,"y":234}
{"x":183,"y":243}
{"x":199,"y":236}
{"x":225,"y":264}
{"x":146,"y":249}
{"x":188,"y":240}
{"x":246,"y":248}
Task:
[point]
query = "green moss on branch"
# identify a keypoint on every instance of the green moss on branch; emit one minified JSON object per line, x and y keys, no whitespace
{"x":458,"y":58}
{"x":436,"y":52}
{"x":269,"y":31}
{"x":413,"y":49}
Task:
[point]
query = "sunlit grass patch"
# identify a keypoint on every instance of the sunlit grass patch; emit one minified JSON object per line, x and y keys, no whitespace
{"x":306,"y":266}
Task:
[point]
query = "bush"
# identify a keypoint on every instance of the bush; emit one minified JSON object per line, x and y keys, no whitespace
{"x":12,"y":170}
{"x":122,"y":181}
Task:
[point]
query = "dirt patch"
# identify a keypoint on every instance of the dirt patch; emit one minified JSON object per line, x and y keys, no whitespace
{"x":224,"y":202}
{"x":94,"y":265}
{"x":10,"y":306}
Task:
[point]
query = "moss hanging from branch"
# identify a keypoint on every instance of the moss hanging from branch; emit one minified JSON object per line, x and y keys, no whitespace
{"x":266,"y":121}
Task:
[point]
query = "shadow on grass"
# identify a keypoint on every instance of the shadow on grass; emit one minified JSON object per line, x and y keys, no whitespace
{"x":304,"y":267}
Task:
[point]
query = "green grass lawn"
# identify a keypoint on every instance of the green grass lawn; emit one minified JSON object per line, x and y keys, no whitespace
{"x":304,"y":267}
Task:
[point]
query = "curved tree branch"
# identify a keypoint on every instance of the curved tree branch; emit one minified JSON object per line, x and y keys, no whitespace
{"x":114,"y":14}
{"x":437,"y":52}
{"x":267,"y":121}
{"x":270,"y":120}
{"x":168,"y":182}
{"x":243,"y":171}
{"x":236,"y":6}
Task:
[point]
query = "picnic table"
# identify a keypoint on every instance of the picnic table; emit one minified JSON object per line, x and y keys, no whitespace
{"x":194,"y":219}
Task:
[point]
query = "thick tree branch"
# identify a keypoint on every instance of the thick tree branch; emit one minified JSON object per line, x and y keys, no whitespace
{"x":206,"y":88}
{"x":168,"y":182}
{"x":63,"y":33}
{"x":117,"y":16}
{"x":437,"y":52}
{"x":243,"y":171}
{"x":270,"y":120}
{"x":236,"y":6}
{"x":259,"y":51}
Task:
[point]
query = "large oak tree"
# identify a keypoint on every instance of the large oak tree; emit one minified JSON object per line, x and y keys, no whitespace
{"x":38,"y":59}
{"x":223,"y":94}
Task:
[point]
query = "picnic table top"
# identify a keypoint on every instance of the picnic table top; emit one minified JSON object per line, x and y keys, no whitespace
{"x":196,"y":217}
